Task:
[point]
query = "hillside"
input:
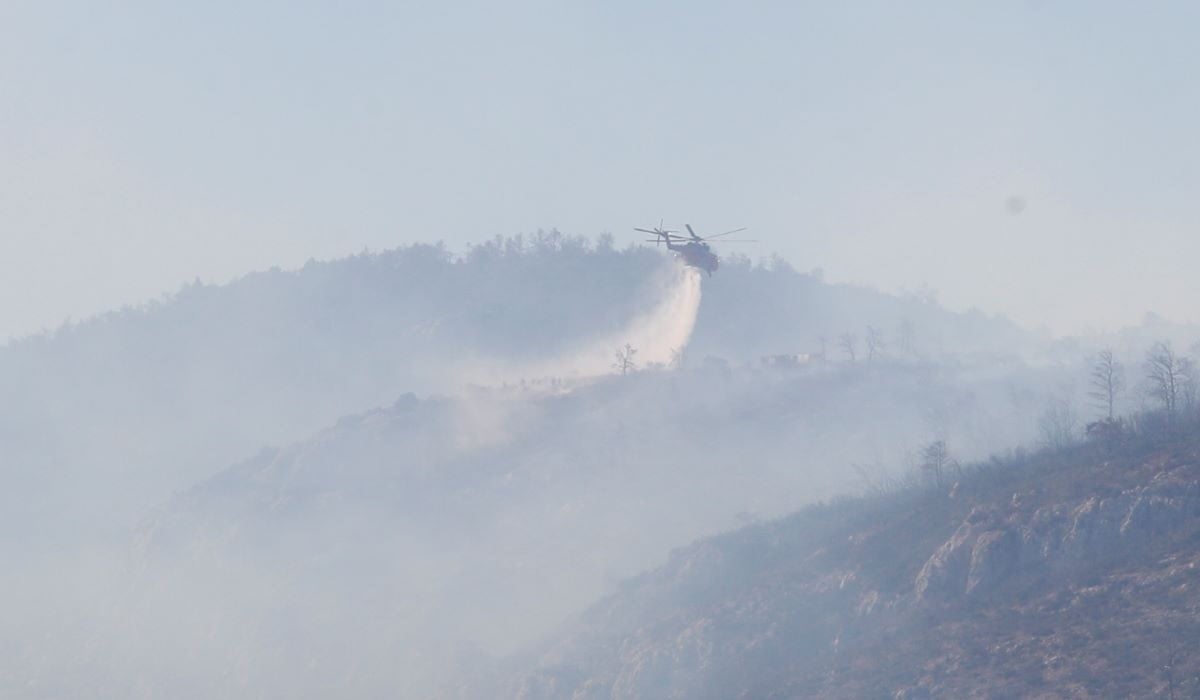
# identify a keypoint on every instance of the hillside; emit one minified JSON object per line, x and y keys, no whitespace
{"x":142,"y":402}
{"x":147,"y":400}
{"x":1063,"y":575}
{"x":360,"y":544}
{"x":364,"y":557}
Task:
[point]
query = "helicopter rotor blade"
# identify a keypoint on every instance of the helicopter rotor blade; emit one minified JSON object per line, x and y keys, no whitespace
{"x":694,"y":236}
{"x":718,"y":235}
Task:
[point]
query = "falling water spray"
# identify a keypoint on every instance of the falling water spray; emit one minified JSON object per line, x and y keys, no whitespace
{"x":657,"y":333}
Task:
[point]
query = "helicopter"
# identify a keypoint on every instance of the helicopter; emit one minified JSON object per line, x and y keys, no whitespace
{"x":692,"y":249}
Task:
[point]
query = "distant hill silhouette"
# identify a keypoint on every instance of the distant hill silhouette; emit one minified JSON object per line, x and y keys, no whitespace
{"x":139,"y":402}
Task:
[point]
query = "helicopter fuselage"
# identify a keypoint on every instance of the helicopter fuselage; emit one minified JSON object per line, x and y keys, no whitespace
{"x":696,"y":254}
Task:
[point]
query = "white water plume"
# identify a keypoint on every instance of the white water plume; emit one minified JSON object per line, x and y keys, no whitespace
{"x":658,"y":335}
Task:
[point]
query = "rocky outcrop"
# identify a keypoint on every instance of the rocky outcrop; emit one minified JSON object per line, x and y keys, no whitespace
{"x":982,"y":551}
{"x":668,"y":671}
{"x":988,"y":547}
{"x":993,"y":557}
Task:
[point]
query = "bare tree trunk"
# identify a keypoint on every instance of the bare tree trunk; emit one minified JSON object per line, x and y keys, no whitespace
{"x":1107,"y":380}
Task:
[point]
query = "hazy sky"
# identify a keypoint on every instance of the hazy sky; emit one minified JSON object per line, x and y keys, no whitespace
{"x":143,"y":144}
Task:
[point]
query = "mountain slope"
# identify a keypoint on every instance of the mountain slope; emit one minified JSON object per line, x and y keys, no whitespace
{"x":139,"y":403}
{"x":371,"y":555}
{"x":1068,"y":576}
{"x":148,"y":400}
{"x":592,"y":485}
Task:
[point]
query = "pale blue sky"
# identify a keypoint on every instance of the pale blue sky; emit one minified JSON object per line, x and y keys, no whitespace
{"x":143,"y":144}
